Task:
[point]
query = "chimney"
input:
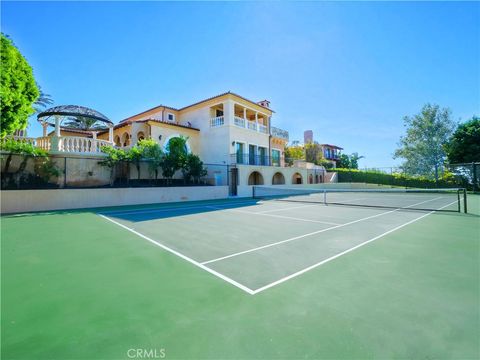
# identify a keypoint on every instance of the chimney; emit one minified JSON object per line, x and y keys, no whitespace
{"x":264,"y":103}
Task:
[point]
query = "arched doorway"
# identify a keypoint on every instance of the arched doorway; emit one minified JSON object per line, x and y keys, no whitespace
{"x":316,"y":179}
{"x":297,"y":178}
{"x":125,"y":139}
{"x":255,"y":178}
{"x":116,"y":140}
{"x":310,"y":179}
{"x":278,"y":179}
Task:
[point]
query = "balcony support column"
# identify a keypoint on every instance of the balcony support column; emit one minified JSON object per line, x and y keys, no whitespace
{"x":245,"y":113}
{"x":229,"y":112}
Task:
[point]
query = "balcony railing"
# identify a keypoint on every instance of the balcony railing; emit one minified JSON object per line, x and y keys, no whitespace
{"x":252,"y":125}
{"x":279,"y":133}
{"x":238,"y":121}
{"x":68,"y":144}
{"x":262,"y":129}
{"x":217,"y":121}
{"x":256,"y":159}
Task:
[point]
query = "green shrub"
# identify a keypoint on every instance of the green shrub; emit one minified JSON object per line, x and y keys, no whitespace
{"x":395,"y":179}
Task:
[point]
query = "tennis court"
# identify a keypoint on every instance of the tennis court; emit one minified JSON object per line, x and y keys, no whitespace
{"x":289,"y":273}
{"x":280,"y":233}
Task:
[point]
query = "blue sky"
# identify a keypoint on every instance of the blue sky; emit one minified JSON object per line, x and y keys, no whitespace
{"x":348,"y":71}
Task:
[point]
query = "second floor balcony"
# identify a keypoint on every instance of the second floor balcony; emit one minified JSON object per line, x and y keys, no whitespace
{"x":256,"y":159}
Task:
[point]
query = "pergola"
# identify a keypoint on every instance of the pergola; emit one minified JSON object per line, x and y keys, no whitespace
{"x":84,"y":118}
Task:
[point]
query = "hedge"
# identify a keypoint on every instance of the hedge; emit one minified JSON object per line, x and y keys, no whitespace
{"x":396,"y":179}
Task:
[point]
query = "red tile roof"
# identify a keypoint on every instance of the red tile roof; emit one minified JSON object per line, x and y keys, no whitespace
{"x":198,"y":102}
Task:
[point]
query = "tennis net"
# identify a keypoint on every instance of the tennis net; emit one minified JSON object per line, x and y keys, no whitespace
{"x":416,"y":199}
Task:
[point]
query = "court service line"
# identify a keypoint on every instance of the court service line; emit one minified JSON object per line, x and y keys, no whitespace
{"x":190,"y":260}
{"x":273,"y":215}
{"x":310,"y":234}
{"x":263,"y":288}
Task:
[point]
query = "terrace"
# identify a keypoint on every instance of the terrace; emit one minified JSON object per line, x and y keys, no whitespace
{"x":81,"y":121}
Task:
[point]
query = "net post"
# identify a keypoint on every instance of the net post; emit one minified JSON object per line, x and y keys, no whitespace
{"x":458,"y":200}
{"x":465,"y":201}
{"x":253,"y":192}
{"x":325,"y":197}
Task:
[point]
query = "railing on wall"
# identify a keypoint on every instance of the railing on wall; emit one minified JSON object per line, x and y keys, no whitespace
{"x":240,"y":122}
{"x":217,"y":121}
{"x":67,"y":144}
{"x":279,"y":133}
{"x":256,"y":159}
{"x":78,"y":144}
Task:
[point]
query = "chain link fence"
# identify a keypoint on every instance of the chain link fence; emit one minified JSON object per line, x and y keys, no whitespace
{"x":57,"y":171}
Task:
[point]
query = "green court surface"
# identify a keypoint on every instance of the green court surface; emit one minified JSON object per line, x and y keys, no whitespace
{"x":243,"y":278}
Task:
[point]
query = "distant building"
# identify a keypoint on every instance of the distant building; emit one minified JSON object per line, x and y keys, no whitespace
{"x":308,"y":136}
{"x":331,"y":153}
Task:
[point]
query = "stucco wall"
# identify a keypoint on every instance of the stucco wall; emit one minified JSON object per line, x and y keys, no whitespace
{"x":14,"y":201}
{"x":268,"y":172}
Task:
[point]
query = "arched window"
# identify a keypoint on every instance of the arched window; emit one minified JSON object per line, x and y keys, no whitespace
{"x":167,"y":140}
{"x":278,"y":179}
{"x":140,"y":136}
{"x":116,"y":140}
{"x":297,"y":178}
{"x":255,"y":178}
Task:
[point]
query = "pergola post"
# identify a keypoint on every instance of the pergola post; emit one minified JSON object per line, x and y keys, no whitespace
{"x":45,"y":128}
{"x":110,"y":133}
{"x":55,"y":140}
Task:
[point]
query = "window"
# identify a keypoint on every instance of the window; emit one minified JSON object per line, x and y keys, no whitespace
{"x":239,"y":152}
{"x":275,"y":157}
{"x":218,"y":113}
{"x":170,"y":117}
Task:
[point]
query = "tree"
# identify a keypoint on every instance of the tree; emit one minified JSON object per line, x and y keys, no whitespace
{"x":84,"y":123}
{"x":313,"y":153}
{"x":423,"y":145}
{"x":18,"y":90}
{"x":464,"y":145}
{"x":43,"y":101}
{"x":349,"y":161}
{"x":343,"y":161}
{"x":114,"y":157}
{"x":294,"y":152}
{"x":193,"y":168}
{"x":134,"y":155}
{"x":175,"y":157}
{"x":153,"y":153}
{"x":354,"y":157}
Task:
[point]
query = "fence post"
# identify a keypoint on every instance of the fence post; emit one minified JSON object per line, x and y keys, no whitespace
{"x":65,"y":169}
{"x":465,"y":201}
{"x":475,"y":180}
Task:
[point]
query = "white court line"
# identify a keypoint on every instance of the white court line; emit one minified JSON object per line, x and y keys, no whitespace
{"x":190,"y":260}
{"x":263,"y":288}
{"x":277,"y":216}
{"x":310,"y":234}
{"x":283,"y":209}
{"x":179,"y":207}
